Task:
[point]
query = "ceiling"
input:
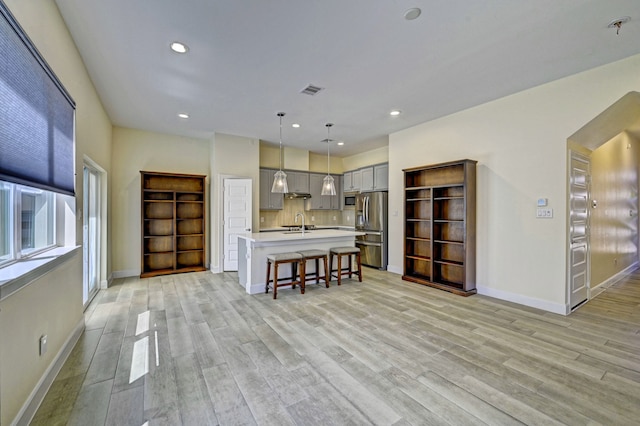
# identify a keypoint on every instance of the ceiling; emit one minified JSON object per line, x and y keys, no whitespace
{"x":249,"y":59}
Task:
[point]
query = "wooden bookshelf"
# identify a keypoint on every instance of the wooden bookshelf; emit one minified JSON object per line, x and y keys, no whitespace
{"x":440,"y":226}
{"x":173,"y":223}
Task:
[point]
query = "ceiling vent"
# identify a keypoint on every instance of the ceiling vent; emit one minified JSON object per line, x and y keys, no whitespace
{"x":311,"y":90}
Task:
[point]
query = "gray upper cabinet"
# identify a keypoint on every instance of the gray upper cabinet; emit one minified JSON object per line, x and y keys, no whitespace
{"x":352,"y":181}
{"x":268,"y":199}
{"x":367,"y":179}
{"x":381,"y":177}
{"x":319,"y":201}
{"x":298,"y":181}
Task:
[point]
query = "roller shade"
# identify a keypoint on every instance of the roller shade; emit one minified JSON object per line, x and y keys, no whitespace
{"x":36,"y":115}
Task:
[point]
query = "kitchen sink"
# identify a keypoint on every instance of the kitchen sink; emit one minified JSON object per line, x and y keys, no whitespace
{"x":296,"y":232}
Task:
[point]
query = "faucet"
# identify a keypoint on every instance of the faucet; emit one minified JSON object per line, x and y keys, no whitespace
{"x":295,"y":219}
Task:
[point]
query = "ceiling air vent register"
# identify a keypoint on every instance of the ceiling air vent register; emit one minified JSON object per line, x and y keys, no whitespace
{"x":311,"y":90}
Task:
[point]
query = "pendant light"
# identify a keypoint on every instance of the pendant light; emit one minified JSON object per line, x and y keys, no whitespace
{"x":280,"y":178}
{"x":328,"y":185}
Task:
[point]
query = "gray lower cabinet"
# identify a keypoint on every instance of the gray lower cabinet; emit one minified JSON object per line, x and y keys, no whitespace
{"x":268,"y":199}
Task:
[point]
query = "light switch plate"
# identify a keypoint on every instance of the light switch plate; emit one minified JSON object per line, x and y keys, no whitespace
{"x":544,"y":213}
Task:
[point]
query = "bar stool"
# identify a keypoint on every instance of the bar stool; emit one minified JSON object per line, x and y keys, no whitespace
{"x":295,"y":259}
{"x":316,"y":255}
{"x":345,"y":251}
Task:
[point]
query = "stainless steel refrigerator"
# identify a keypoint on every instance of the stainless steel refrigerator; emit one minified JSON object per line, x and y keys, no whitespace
{"x":371,"y":218}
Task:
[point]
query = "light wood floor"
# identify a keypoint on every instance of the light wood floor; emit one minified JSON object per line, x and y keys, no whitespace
{"x":382,"y":352}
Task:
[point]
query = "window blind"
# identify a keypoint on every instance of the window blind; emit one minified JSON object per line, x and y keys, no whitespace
{"x":36,"y":115}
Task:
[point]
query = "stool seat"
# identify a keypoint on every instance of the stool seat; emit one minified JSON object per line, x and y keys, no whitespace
{"x":281,"y":257}
{"x":295,"y":259}
{"x":348,"y":251}
{"x":345,"y":250}
{"x":312,"y":253}
{"x":316,"y":255}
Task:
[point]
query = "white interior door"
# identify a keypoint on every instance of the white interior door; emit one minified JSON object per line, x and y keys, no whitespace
{"x":579,"y":229}
{"x":236,"y":220}
{"x":91,"y":233}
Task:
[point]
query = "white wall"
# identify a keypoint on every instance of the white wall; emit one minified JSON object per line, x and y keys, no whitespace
{"x":520,"y":143}
{"x":231,"y":156}
{"x":135,"y":151}
{"x":52,"y":304}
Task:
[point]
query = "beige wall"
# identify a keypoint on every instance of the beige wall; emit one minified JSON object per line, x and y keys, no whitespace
{"x":52,"y":304}
{"x":368,"y":158}
{"x":134,"y":151}
{"x":231,"y":156}
{"x":520,"y":144}
{"x":614,"y":222}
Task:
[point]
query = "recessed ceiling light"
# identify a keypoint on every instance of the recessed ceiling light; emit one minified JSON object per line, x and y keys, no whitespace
{"x":178,"y":47}
{"x":295,"y":125}
{"x":412,"y":13}
{"x":395,"y":112}
{"x":183,"y":115}
{"x":340,"y":143}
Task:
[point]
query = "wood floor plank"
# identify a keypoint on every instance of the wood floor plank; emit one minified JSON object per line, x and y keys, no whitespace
{"x":228,"y":402}
{"x":126,"y":408}
{"x":105,"y":360}
{"x":193,"y":397}
{"x":92,"y":405}
{"x":383,"y":351}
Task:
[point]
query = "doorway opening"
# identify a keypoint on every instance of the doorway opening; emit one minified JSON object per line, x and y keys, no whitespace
{"x":610,"y":146}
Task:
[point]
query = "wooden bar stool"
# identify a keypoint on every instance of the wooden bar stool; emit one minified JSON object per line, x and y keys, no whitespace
{"x":345,"y":251}
{"x":295,"y":259}
{"x":316,"y":255}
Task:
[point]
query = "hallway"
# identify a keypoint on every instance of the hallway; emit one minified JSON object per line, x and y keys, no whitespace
{"x":383,"y":351}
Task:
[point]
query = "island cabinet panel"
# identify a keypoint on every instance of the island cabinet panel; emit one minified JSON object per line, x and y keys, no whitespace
{"x":440,"y":226}
{"x":173,"y":223}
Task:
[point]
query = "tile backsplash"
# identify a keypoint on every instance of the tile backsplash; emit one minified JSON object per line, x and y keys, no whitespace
{"x":276,"y":218}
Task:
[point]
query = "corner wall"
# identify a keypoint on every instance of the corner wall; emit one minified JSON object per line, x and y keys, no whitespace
{"x":231,"y":156}
{"x":52,"y":304}
{"x":134,"y":151}
{"x":520,"y":144}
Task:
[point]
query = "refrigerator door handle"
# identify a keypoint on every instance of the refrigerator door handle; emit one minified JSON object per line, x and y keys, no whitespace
{"x":367,"y":243}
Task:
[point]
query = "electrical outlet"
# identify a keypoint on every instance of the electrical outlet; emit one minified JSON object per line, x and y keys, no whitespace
{"x":261,"y":219}
{"x":43,"y":344}
{"x":313,"y":218}
{"x":334,"y":218}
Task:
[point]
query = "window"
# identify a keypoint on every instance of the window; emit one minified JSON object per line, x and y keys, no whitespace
{"x":34,"y":223}
{"x":37,"y":143}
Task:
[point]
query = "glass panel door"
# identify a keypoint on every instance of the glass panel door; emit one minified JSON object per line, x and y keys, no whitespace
{"x":91,"y":233}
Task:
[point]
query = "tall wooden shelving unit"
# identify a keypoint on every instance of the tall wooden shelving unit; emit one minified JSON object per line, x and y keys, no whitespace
{"x":173,"y":223}
{"x":440,"y":226}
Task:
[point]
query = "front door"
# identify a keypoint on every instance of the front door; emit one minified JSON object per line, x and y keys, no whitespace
{"x":237,"y":218}
{"x":578,"y":229}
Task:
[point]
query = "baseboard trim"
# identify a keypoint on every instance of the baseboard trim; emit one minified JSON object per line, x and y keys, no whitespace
{"x":556,"y":308}
{"x":597,"y":290}
{"x":125,"y":273}
{"x":395,"y":269}
{"x":28,"y":410}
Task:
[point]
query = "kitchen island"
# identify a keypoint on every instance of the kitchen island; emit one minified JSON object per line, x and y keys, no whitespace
{"x":253,"y":250}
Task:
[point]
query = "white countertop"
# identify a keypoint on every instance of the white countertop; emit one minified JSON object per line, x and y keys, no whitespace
{"x":316,"y":234}
{"x":320,"y":227}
